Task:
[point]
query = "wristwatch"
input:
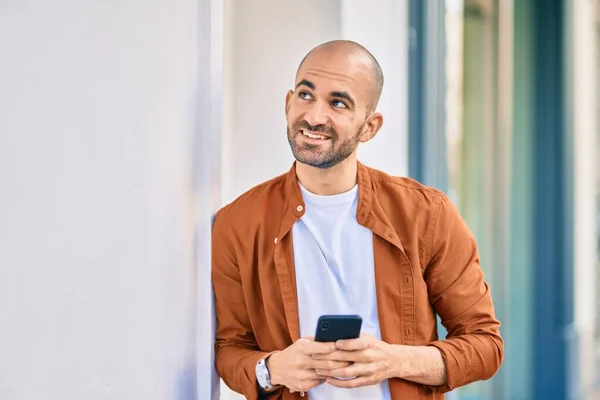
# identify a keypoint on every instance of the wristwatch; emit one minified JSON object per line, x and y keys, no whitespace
{"x":262,"y":375}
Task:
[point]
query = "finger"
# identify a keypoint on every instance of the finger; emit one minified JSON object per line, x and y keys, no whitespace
{"x":354,"y":370}
{"x":343,"y":355}
{"x":314,"y":348}
{"x":361,"y":343}
{"x":310,"y":375}
{"x":352,"y":383}
{"x":328,"y":364}
{"x":305,"y":340}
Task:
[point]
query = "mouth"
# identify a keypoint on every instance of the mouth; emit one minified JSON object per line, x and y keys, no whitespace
{"x":314,"y":136}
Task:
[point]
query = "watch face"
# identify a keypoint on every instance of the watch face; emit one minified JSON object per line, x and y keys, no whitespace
{"x":260,"y":375}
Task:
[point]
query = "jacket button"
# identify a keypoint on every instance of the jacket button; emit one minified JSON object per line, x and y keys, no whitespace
{"x":406,"y":280}
{"x":409,"y":332}
{"x":275,"y":240}
{"x":299,"y":208}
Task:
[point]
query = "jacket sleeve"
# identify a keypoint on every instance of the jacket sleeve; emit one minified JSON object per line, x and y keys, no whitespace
{"x":236,"y":350}
{"x":473,"y":349}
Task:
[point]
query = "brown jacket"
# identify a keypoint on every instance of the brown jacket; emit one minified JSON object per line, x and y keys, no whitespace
{"x":426,"y":262}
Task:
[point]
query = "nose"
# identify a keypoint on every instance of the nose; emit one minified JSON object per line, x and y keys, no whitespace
{"x":316,"y":114}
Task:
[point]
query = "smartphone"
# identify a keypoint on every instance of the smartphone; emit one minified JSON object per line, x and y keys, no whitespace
{"x":331,"y":328}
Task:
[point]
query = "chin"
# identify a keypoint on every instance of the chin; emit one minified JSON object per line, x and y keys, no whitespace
{"x":317,"y":163}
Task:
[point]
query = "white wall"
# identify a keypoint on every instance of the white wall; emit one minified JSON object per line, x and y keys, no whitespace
{"x":382,"y":27}
{"x":97,"y":274}
{"x":264,"y":41}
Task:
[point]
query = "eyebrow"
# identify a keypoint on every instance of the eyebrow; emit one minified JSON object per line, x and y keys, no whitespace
{"x":306,"y":83}
{"x":341,"y":95}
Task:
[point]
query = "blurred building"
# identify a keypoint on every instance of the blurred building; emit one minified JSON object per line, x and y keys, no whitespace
{"x":125,"y":125}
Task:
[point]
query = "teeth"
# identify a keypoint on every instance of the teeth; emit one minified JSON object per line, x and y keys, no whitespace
{"x":312,"y":136}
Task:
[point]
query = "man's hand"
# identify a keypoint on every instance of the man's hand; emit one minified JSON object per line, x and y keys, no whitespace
{"x":371,"y":361}
{"x":295,"y":366}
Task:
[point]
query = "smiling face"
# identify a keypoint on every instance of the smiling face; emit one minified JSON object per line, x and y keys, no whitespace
{"x":329,"y":112}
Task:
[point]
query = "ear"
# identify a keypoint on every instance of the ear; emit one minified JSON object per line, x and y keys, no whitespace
{"x":288,"y":101}
{"x":372,"y":126}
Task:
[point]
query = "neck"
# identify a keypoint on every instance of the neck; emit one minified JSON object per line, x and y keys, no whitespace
{"x":327,"y":182}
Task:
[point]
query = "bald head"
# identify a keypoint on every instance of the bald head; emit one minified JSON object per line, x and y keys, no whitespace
{"x":358,"y":54}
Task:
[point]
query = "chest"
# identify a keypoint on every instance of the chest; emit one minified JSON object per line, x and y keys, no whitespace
{"x":333,"y":249}
{"x":368,"y":258}
{"x":334,"y":271}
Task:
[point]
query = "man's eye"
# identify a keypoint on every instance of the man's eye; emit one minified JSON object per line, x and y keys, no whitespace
{"x":338,"y":104}
{"x":305,"y":96}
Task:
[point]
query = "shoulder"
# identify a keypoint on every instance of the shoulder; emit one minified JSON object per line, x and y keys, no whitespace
{"x":406,"y":191}
{"x":254,"y":205}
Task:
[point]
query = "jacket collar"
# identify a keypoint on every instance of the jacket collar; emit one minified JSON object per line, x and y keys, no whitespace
{"x":369,"y":212}
{"x":295,"y":202}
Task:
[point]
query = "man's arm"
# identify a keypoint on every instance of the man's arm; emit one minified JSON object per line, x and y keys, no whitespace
{"x":236,"y":351}
{"x":473,"y":349}
{"x":420,"y":364}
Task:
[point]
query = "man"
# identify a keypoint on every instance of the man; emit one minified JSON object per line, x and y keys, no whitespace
{"x":333,"y":236}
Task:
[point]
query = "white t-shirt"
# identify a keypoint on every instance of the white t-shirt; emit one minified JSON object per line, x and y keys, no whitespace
{"x":335,"y":274}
